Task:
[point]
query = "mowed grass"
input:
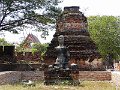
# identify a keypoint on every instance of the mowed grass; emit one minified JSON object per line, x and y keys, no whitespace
{"x":85,"y":85}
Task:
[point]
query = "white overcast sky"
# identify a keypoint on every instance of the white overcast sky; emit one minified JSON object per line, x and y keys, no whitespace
{"x":88,"y":7}
{"x":95,"y":7}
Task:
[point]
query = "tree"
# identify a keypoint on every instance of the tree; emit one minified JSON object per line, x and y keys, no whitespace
{"x":42,"y":48}
{"x":105,"y":31}
{"x":17,"y":13}
{"x":3,"y":42}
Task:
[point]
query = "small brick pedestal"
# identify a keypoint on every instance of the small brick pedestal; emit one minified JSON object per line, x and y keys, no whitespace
{"x":56,"y":76}
{"x":61,"y":76}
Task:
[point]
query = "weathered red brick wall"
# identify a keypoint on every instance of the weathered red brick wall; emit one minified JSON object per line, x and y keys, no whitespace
{"x":16,"y":76}
{"x":49,"y":61}
{"x":83,"y":75}
{"x":32,"y":75}
{"x":28,"y":56}
{"x":95,"y":75}
{"x":10,"y":77}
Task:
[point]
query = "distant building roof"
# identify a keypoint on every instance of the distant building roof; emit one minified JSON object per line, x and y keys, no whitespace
{"x":32,"y":38}
{"x":29,"y":40}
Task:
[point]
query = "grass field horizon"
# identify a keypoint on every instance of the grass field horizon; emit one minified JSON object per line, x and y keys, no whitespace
{"x":85,"y":85}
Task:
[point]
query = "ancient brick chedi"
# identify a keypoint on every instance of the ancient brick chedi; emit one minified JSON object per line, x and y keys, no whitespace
{"x":72,"y":24}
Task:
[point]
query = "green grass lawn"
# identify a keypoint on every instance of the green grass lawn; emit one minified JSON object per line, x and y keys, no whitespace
{"x":85,"y":85}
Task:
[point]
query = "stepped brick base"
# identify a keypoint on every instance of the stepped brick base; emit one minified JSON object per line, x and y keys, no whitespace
{"x":9,"y":77}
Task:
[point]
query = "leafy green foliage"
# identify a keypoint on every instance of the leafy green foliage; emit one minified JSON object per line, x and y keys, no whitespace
{"x":4,"y":43}
{"x":105,"y":31}
{"x":42,"y":48}
{"x":17,"y":13}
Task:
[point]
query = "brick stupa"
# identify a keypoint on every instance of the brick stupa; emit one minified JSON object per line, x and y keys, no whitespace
{"x":72,"y":24}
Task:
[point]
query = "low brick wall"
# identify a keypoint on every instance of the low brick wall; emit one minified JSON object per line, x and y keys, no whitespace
{"x":32,"y":75}
{"x":9,"y":77}
{"x":95,"y":75}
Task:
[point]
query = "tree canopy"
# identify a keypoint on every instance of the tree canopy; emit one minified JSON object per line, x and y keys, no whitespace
{"x":42,"y":48}
{"x":17,"y":13}
{"x":3,"y":42}
{"x":105,"y":31}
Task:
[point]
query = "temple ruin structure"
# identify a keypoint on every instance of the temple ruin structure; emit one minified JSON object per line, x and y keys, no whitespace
{"x":72,"y":24}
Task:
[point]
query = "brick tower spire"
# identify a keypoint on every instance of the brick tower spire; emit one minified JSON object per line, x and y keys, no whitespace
{"x":72,"y":24}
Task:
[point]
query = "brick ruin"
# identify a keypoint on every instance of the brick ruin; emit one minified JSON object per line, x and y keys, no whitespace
{"x":72,"y":24}
{"x":9,"y":55}
{"x":28,"y":56}
{"x":10,"y":60}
